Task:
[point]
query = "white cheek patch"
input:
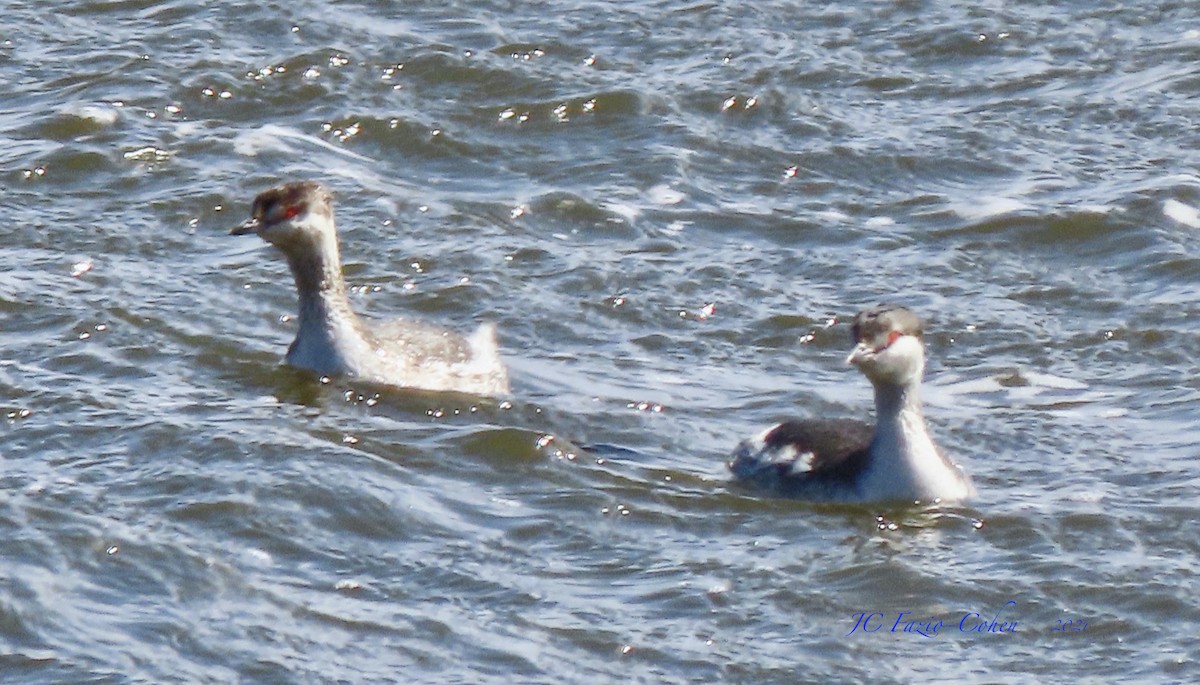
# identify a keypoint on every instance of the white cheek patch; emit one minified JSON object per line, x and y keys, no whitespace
{"x":905,"y":344}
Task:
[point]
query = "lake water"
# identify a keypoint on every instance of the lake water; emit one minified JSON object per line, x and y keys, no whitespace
{"x":669,"y":209}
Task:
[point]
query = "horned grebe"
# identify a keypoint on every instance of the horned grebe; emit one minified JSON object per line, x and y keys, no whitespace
{"x":849,"y":461}
{"x":297,"y":218}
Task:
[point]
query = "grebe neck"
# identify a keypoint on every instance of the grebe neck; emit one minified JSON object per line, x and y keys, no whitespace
{"x":330,"y":336}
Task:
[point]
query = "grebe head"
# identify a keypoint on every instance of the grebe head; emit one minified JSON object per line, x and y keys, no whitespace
{"x":888,"y":347}
{"x":296,"y":217}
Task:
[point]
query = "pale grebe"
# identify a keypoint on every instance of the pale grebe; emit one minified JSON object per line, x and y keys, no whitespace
{"x":849,"y":461}
{"x":297,"y":218}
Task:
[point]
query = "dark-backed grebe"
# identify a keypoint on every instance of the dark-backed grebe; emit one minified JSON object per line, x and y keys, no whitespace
{"x":849,"y":461}
{"x":297,"y":218}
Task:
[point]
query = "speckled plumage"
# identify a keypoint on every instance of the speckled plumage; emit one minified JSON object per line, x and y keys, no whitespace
{"x":297,"y":218}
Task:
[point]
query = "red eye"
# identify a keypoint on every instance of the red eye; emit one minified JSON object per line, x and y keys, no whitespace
{"x":892,"y":337}
{"x":291,"y":211}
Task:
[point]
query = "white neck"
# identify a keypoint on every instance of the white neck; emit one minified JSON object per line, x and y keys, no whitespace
{"x":330,"y":334}
{"x":905,"y":462}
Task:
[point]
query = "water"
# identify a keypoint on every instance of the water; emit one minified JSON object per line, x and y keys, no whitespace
{"x":662,"y":206}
